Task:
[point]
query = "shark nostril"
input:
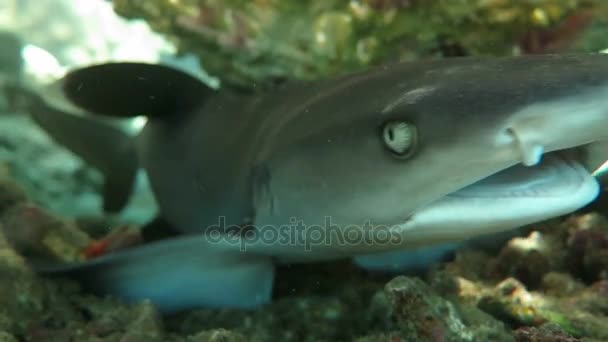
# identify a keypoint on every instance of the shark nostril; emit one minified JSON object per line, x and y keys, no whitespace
{"x":531,"y":151}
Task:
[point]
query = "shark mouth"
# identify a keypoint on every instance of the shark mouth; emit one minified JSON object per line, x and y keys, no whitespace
{"x":556,"y":175}
{"x":540,"y":187}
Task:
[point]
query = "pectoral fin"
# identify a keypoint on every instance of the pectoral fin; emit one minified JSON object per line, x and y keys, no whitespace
{"x":176,"y":274}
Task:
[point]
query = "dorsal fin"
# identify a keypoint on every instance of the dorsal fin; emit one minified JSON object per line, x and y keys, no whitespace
{"x":132,"y":89}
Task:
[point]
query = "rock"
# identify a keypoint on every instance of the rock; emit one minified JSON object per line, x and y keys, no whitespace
{"x":6,"y":337}
{"x":545,"y":333}
{"x":587,"y":247}
{"x":217,"y":335}
{"x":560,"y":284}
{"x":146,"y":324}
{"x":422,"y":315}
{"x":527,"y":258}
{"x":33,"y":231}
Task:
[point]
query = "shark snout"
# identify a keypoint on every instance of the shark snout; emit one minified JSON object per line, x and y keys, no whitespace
{"x":559,"y":124}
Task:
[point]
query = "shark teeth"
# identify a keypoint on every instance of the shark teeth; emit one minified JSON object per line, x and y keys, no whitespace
{"x":531,"y":155}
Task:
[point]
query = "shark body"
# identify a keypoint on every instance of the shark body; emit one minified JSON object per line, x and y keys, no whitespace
{"x":370,"y":165}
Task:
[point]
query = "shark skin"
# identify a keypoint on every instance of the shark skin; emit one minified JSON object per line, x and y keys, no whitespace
{"x":370,"y":166}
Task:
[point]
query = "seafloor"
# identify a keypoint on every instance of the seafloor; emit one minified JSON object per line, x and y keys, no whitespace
{"x":551,"y":284}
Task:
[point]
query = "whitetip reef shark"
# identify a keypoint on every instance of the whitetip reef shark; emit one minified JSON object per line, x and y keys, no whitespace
{"x":426,"y":153}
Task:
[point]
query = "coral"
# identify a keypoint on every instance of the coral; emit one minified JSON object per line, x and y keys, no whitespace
{"x":527,"y":259}
{"x":544,"y":333}
{"x":254,"y":44}
{"x":217,"y":335}
{"x":422,"y":315}
{"x":587,"y":247}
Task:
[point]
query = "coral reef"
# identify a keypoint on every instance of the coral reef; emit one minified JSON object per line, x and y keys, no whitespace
{"x":554,"y":276}
{"x":254,"y":44}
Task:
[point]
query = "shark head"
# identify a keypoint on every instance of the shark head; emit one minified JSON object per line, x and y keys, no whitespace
{"x":441,"y":150}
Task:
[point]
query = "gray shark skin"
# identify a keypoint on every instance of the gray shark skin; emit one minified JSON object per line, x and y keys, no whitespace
{"x":430,"y":153}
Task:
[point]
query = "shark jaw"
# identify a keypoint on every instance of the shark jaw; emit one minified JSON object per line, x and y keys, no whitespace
{"x":538,"y":188}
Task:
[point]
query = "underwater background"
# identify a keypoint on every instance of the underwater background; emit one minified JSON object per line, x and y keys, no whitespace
{"x":548,"y":283}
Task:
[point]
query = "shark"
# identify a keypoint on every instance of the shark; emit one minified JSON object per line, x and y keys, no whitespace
{"x":375,"y":165}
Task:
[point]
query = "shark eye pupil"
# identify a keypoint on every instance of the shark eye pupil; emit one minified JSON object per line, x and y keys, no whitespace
{"x":400,"y":138}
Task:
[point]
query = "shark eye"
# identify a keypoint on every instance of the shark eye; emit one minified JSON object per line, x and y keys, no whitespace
{"x":400,"y":138}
